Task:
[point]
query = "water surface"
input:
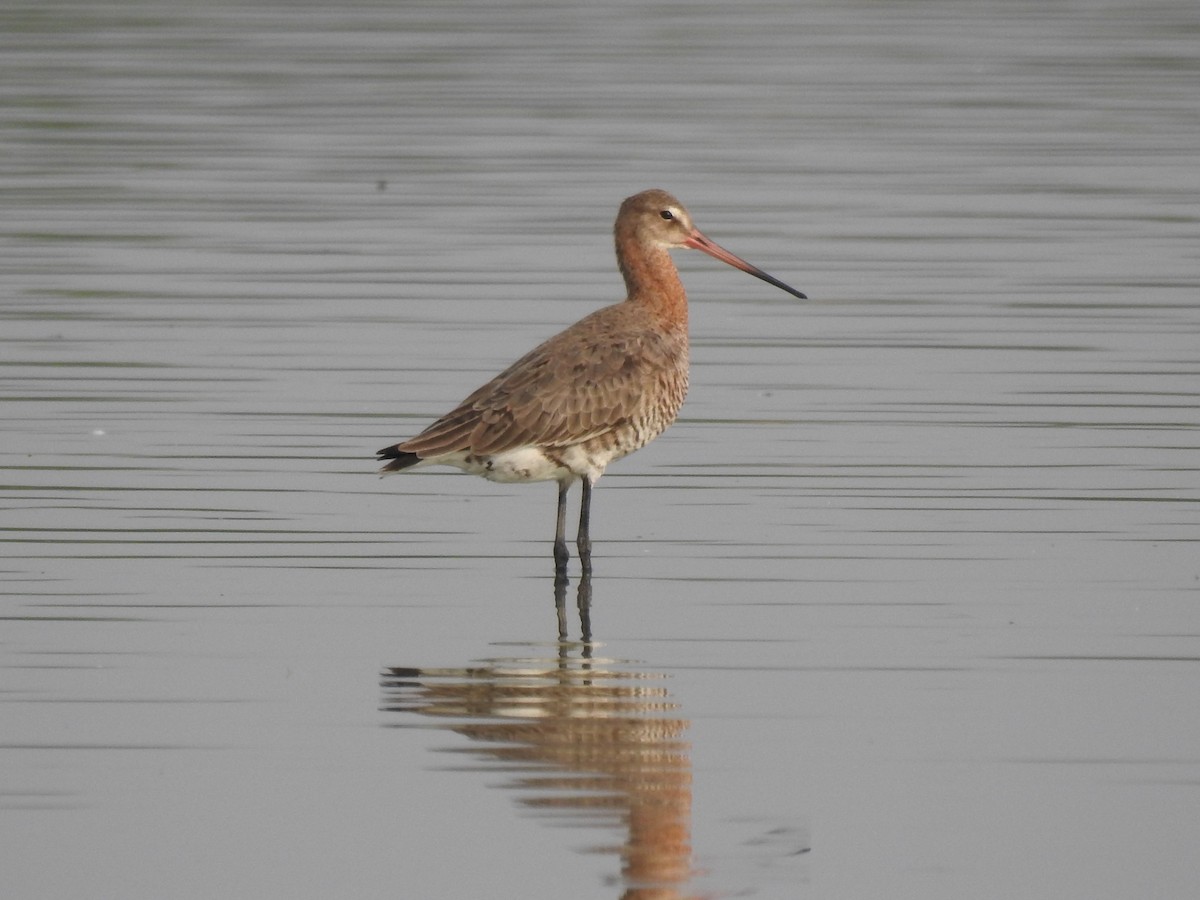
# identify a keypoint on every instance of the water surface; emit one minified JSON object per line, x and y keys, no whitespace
{"x":904,"y":604}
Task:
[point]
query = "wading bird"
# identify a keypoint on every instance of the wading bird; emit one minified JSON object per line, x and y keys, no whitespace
{"x":593,"y":393}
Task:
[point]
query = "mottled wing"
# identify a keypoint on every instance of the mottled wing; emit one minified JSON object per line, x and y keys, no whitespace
{"x":604,"y":372}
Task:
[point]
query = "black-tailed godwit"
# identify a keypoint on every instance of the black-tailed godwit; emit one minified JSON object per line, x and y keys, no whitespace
{"x":593,"y":393}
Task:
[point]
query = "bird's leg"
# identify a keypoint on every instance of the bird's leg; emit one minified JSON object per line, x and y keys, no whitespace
{"x":561,"y":554}
{"x":584,"y":602}
{"x":560,"y":602}
{"x":584,"y":540}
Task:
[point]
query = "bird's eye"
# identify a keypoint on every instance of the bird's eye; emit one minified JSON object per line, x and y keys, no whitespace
{"x":667,"y":214}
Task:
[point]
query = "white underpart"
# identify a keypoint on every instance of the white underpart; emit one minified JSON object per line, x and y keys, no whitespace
{"x":523,"y":464}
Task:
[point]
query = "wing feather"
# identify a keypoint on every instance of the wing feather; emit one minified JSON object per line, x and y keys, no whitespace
{"x":596,"y":376}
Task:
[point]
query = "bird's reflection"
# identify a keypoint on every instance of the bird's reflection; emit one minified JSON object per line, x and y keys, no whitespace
{"x":596,"y":737}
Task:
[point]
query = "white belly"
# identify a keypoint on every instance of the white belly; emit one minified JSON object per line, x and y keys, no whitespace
{"x":523,"y":464}
{"x":518,"y":465}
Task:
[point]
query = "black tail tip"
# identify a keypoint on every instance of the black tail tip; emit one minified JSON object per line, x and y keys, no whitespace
{"x":402,"y":672}
{"x":398,"y":459}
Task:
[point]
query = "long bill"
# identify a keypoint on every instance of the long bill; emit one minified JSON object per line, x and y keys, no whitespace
{"x":698,"y":241}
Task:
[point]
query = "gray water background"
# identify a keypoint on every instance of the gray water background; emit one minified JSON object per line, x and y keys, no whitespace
{"x":911,"y":586}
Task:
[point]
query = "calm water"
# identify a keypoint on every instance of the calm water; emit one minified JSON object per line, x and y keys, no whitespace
{"x":905,"y":605}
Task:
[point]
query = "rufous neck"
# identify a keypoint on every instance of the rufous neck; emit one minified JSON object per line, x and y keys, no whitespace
{"x":651,"y":278}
